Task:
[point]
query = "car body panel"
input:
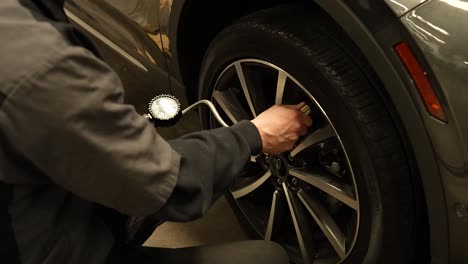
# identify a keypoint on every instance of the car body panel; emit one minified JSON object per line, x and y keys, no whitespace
{"x":439,"y":28}
{"x":170,"y":21}
{"x":401,"y":7}
{"x":170,"y":14}
{"x":131,"y":28}
{"x":129,"y":25}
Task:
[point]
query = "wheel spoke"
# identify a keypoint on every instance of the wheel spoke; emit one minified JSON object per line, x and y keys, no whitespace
{"x":316,"y":137}
{"x":253,"y":159}
{"x":301,"y":225}
{"x":245,"y":89}
{"x":329,"y":185}
{"x":282,"y":76}
{"x":273,"y":219}
{"x":230,"y":106}
{"x":223,"y":104}
{"x":326,"y":223}
{"x":251,"y":187}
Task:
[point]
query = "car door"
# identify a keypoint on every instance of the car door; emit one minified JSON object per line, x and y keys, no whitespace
{"x":129,"y":28}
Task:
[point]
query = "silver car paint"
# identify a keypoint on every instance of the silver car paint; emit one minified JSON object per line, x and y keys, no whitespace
{"x":440,"y":28}
{"x":401,"y":7}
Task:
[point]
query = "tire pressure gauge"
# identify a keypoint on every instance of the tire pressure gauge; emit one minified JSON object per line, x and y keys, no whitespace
{"x":164,"y":110}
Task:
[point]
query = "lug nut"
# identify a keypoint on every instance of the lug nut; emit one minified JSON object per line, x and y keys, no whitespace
{"x":335,"y":167}
{"x":461,"y":210}
{"x":294,"y":181}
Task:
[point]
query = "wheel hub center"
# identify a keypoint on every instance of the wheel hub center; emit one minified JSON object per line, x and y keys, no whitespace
{"x":279,"y":166}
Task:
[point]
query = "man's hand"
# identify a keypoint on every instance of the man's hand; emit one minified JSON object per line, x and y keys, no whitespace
{"x":281,"y":126}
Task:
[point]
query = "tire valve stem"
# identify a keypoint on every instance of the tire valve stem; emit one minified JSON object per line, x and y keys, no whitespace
{"x":305,"y":109}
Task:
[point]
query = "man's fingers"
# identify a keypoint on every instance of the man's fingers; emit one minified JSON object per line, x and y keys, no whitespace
{"x":293,"y":138}
{"x":292,"y":107}
{"x":303,"y":131}
{"x":295,"y":107}
{"x":307,"y":120}
{"x":285,"y":125}
{"x":299,"y":106}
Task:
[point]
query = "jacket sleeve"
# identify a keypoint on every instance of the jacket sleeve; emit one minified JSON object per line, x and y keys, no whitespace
{"x":209,"y":162}
{"x":69,"y":120}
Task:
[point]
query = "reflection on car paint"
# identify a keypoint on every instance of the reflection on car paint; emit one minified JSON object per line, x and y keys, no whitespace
{"x":143,"y":12}
{"x":401,"y":7}
{"x":442,"y":40}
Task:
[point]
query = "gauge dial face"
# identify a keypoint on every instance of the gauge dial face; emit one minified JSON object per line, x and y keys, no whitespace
{"x":164,"y":108}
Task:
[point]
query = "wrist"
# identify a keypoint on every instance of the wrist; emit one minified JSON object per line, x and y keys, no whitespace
{"x":252,"y":134}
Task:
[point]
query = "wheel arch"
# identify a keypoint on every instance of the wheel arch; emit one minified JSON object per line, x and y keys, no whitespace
{"x":193,"y":25}
{"x":190,"y":47}
{"x":378,"y":43}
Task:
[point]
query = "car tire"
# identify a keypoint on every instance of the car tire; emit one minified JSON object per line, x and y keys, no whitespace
{"x":309,"y":46}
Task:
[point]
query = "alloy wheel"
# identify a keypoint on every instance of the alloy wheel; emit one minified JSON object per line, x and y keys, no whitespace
{"x":305,"y":199}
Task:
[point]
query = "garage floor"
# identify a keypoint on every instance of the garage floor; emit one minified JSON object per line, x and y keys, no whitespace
{"x":219,"y":225}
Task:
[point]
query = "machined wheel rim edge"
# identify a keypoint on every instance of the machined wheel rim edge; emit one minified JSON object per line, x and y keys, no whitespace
{"x":283,"y":75}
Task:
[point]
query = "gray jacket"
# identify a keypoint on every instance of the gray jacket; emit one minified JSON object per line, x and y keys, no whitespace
{"x":72,"y":153}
